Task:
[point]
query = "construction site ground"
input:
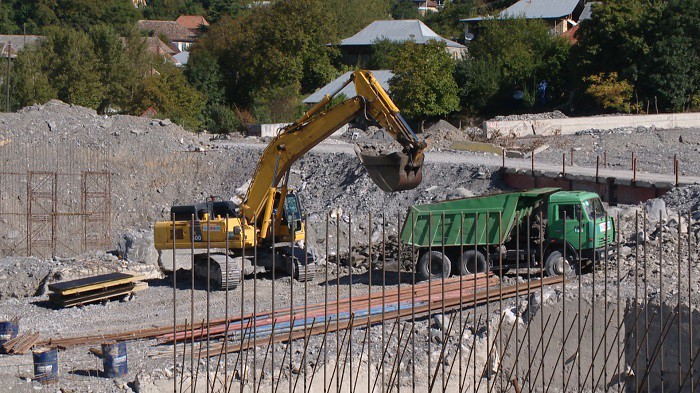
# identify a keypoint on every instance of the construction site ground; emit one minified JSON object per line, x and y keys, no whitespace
{"x":156,"y":164}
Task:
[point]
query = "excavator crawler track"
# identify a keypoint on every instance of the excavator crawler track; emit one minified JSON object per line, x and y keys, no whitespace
{"x":297,"y":263}
{"x":220,"y":278}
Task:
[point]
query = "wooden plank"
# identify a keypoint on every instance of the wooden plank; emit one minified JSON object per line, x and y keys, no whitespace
{"x":93,"y":283}
{"x":97,"y":296}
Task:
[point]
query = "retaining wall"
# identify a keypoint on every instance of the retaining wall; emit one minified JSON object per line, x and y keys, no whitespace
{"x":575,"y":124}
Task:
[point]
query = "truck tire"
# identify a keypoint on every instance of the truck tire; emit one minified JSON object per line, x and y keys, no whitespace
{"x":555,"y":265}
{"x":472,"y":262}
{"x":433,"y":262}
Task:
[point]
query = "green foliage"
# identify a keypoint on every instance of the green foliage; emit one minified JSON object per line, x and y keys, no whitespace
{"x":384,"y":53}
{"x":404,"y":9}
{"x":98,"y":70}
{"x":38,"y":15}
{"x":447,"y":23}
{"x":351,"y":16}
{"x":222,"y":119}
{"x":72,"y":67}
{"x":255,"y":51}
{"x":509,"y":55}
{"x":220,"y":8}
{"x":30,"y":84}
{"x":171,"y":96}
{"x":478,"y":81}
{"x":277,"y":104}
{"x":8,"y":24}
{"x":610,"y":92}
{"x":423,"y":84}
{"x":655,"y":46}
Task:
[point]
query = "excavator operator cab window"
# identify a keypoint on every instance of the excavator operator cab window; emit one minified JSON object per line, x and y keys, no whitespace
{"x":292,"y":211}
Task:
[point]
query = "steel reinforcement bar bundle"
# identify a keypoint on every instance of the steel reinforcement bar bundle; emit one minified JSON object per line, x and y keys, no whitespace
{"x":303,"y":321}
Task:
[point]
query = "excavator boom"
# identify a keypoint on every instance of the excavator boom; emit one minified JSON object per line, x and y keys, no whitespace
{"x":391,"y":172}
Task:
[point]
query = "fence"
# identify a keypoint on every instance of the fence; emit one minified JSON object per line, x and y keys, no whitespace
{"x":365,"y":324}
{"x":58,"y":205}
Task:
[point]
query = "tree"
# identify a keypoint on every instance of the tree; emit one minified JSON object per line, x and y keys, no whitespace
{"x":30,"y":84}
{"x":277,"y":104}
{"x":479,"y":81}
{"x":72,"y":67}
{"x":255,"y":51}
{"x":651,"y":45}
{"x":171,"y":96}
{"x":512,"y":54}
{"x":610,"y":92}
{"x":8,"y":24}
{"x":384,"y":53}
{"x":447,"y":23}
{"x":423,"y":84}
{"x":351,"y":16}
{"x":404,"y":9}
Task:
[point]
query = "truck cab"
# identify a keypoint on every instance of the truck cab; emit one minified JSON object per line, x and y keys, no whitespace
{"x":578,"y":221}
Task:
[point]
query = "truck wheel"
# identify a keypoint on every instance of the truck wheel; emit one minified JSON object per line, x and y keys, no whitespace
{"x":472,"y":262}
{"x":555,"y":265}
{"x":434,"y":264}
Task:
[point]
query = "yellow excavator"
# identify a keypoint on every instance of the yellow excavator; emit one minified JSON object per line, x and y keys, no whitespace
{"x":270,"y":216}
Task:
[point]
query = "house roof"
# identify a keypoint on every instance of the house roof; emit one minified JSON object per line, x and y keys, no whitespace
{"x":192,"y":22}
{"x":17,"y":43}
{"x":399,"y":31}
{"x":587,"y":11}
{"x":382,"y":76}
{"x":171,"y":29}
{"x":182,"y":57}
{"x":534,"y":9}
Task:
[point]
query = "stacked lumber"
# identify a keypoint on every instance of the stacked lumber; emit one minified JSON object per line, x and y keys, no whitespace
{"x":20,"y":344}
{"x":95,"y":289}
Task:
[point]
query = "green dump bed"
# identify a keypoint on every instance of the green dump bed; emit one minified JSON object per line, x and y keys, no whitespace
{"x":468,"y":221}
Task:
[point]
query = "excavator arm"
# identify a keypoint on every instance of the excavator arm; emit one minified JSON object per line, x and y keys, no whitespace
{"x":392,"y":172}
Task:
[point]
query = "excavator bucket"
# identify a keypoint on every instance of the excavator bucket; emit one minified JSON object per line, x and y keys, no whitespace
{"x":394,"y":171}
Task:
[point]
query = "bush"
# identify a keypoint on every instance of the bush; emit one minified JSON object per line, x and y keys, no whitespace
{"x":222,"y":119}
{"x":610,"y":92}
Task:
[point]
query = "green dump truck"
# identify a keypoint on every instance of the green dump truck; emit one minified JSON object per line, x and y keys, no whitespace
{"x":545,"y":227}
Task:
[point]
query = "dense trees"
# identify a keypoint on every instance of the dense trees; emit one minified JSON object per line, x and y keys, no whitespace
{"x":508,"y":56}
{"x":36,"y":15}
{"x":652,"y":46}
{"x":257,"y":61}
{"x":423,"y":85}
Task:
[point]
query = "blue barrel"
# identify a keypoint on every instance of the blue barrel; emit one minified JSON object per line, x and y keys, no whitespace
{"x":114,"y":359}
{"x":8,"y":331}
{"x":46,"y":365}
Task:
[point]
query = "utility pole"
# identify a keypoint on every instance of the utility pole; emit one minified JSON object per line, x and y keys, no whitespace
{"x":7,"y":83}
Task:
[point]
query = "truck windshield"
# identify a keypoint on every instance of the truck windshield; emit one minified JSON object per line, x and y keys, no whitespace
{"x":594,"y":208}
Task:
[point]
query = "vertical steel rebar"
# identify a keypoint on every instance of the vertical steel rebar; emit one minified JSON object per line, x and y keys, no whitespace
{"x":691,"y":359}
{"x":399,"y":268}
{"x":414,"y":263}
{"x":208,"y":298}
{"x":370,"y":227}
{"x":174,"y":300}
{"x":337,"y":301}
{"x":226,"y":309}
{"x":350,"y":267}
{"x":661,"y":296}
{"x":192,"y":278}
{"x":325,"y":311}
{"x":255,"y":300}
{"x":384,"y":343}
